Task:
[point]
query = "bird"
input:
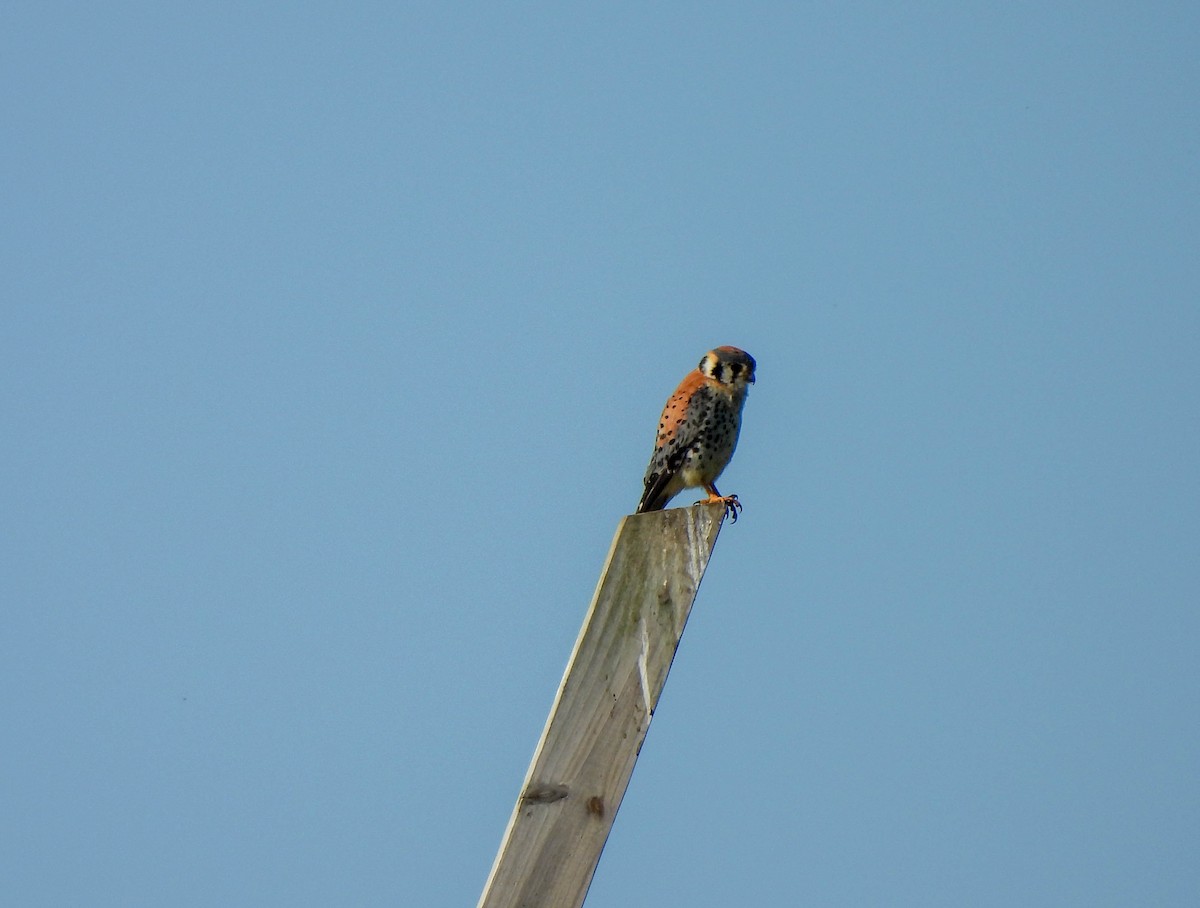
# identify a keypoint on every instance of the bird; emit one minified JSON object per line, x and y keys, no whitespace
{"x":698,"y":431}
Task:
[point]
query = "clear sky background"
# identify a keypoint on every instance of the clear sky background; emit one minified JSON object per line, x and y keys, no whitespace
{"x":334,"y":340}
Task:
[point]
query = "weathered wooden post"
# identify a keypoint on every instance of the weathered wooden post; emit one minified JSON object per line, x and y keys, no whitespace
{"x":583,"y":762}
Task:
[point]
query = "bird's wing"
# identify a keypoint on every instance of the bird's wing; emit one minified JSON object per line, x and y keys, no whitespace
{"x":678,"y":436}
{"x":654,"y":497}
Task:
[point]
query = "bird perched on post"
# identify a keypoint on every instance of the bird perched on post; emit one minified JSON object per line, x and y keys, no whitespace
{"x":699,"y":429}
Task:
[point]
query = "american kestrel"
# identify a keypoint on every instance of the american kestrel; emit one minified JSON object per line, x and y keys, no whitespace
{"x":698,"y":430}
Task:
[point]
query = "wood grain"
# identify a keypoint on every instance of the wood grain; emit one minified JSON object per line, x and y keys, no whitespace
{"x":599,"y":719}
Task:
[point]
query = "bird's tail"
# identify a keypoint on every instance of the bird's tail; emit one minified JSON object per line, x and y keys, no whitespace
{"x":655,"y":498}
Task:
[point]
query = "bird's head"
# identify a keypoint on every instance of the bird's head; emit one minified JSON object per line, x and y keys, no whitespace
{"x":729,"y":366}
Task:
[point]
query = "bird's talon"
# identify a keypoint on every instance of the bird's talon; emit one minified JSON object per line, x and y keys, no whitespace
{"x":732,"y":507}
{"x":731,"y":503}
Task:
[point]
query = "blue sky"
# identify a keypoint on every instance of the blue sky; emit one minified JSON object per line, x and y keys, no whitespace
{"x":335,"y":340}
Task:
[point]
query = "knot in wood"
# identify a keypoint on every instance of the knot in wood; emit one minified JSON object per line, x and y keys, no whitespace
{"x":544,"y":793}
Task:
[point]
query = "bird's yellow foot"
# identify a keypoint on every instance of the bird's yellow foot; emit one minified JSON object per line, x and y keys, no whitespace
{"x":732,"y":505}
